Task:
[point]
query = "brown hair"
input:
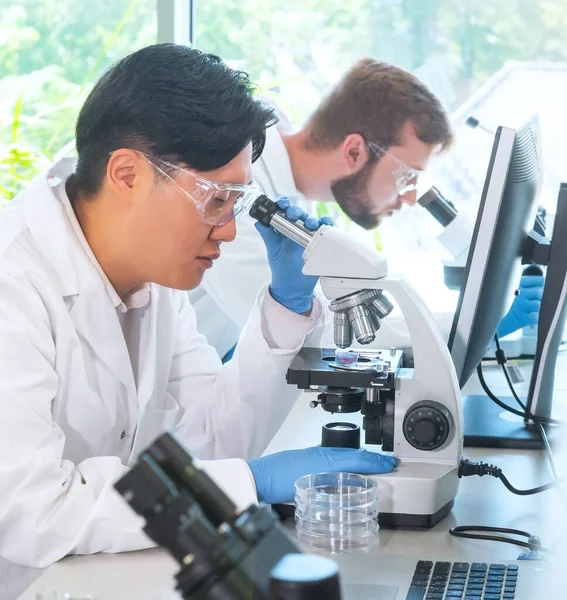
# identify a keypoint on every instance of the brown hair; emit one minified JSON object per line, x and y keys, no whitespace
{"x":376,"y":99}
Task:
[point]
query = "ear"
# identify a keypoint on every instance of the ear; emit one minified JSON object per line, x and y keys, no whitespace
{"x":355,"y":152}
{"x":126,"y":173}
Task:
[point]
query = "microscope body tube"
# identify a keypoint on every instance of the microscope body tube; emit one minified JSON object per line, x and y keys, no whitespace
{"x":268,"y":213}
{"x":294,"y":231}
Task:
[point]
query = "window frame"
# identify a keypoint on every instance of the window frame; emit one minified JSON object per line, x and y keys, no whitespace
{"x":176,"y":21}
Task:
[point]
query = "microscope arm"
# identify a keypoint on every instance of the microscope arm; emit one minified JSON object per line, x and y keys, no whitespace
{"x":457,"y":227}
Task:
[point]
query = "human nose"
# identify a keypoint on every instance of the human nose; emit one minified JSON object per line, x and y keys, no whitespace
{"x":409,"y":198}
{"x":225,"y":232}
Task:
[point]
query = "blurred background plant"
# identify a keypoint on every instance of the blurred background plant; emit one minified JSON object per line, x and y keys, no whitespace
{"x":51,"y":52}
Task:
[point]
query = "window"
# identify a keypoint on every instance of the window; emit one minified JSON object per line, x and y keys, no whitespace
{"x":474,"y":55}
{"x":51,"y":52}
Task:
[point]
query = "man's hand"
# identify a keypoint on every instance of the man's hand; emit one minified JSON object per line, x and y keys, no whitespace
{"x":525,"y":308}
{"x":290,"y":287}
{"x":276,"y":474}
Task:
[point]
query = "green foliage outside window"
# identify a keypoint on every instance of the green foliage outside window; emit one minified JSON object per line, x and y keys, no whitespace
{"x":52,"y":51}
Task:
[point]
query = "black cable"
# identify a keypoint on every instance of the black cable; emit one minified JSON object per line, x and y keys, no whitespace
{"x":535,"y":419}
{"x":467,"y":531}
{"x":494,"y":399}
{"x":503,"y":405}
{"x":467,"y":468}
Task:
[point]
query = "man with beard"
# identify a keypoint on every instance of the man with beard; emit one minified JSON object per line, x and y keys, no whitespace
{"x":364,"y":148}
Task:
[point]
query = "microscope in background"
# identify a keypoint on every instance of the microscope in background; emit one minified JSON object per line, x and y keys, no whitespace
{"x":456,"y":237}
{"x":224,"y":554}
{"x":410,"y":401}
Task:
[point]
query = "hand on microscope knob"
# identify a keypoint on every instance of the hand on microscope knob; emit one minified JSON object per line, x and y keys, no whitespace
{"x":289,"y":286}
{"x":526,"y":306}
{"x":276,"y":474}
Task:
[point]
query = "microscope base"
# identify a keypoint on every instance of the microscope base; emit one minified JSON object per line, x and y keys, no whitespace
{"x":416,"y":496}
{"x":401,"y":521}
{"x":386,"y":520}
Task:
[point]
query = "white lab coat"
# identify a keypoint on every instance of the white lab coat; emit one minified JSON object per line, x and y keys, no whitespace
{"x":72,"y":416}
{"x":227,"y":293}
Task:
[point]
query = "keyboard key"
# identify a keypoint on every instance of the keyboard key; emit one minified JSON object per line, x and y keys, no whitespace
{"x":497,"y":568}
{"x":479,"y":567}
{"x":454,"y":594}
{"x":512,"y":568}
{"x":442,"y":567}
{"x":415,"y":593}
{"x":475,"y":579}
{"x":491,"y":597}
{"x":509,"y":596}
{"x":423,"y":566}
{"x":434,"y":597}
{"x":456,"y":586}
{"x":437,"y":590}
{"x":473,"y":593}
{"x":493,"y":590}
{"x":460,"y":567}
{"x":475,"y":586}
{"x":510,"y":589}
{"x":442,"y":578}
{"x":420,"y":580}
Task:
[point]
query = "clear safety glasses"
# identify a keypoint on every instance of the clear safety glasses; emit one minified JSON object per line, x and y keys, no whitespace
{"x":218,"y":203}
{"x":406,"y":177}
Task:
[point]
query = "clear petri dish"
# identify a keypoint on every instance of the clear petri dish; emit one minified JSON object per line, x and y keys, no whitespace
{"x":336,"y":512}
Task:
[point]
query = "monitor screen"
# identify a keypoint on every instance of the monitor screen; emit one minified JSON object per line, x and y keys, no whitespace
{"x":506,"y":215}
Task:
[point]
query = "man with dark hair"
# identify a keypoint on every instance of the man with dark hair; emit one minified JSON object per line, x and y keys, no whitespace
{"x":99,"y":351}
{"x":364,"y":147}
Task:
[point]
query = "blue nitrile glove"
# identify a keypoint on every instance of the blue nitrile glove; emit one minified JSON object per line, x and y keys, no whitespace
{"x":290,"y":287}
{"x":276,"y":474}
{"x":525,"y":308}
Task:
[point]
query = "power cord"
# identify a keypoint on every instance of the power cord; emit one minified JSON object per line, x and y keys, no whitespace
{"x":474,"y":532}
{"x":477,"y":532}
{"x":467,"y":468}
{"x":501,"y":359}
{"x":531,"y":416}
{"x":524,"y":413}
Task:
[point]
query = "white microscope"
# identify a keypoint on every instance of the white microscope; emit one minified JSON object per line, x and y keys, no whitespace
{"x":410,"y":401}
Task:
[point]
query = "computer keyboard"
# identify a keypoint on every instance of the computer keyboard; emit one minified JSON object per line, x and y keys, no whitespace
{"x":463,"y":581}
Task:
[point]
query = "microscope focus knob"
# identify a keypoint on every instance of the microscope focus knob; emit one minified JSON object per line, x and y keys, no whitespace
{"x":427,"y":425}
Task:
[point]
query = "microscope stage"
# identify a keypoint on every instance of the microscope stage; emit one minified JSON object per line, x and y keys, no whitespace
{"x":314,"y":367}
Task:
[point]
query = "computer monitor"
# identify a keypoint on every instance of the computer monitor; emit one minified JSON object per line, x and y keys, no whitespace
{"x":552,"y":316}
{"x":506,"y":215}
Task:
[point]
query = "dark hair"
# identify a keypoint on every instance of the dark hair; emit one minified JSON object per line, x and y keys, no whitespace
{"x":376,"y":99}
{"x":173,"y":102}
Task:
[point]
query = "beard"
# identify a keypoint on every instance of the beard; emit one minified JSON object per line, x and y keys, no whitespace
{"x":351,"y":194}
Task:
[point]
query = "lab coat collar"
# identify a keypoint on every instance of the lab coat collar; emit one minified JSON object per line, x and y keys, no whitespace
{"x":52,"y":231}
{"x":275,"y":153}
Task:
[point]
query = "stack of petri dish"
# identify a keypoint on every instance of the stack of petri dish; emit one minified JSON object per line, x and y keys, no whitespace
{"x":336,"y":512}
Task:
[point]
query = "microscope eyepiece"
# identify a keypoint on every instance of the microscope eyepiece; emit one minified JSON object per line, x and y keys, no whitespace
{"x":263,"y":209}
